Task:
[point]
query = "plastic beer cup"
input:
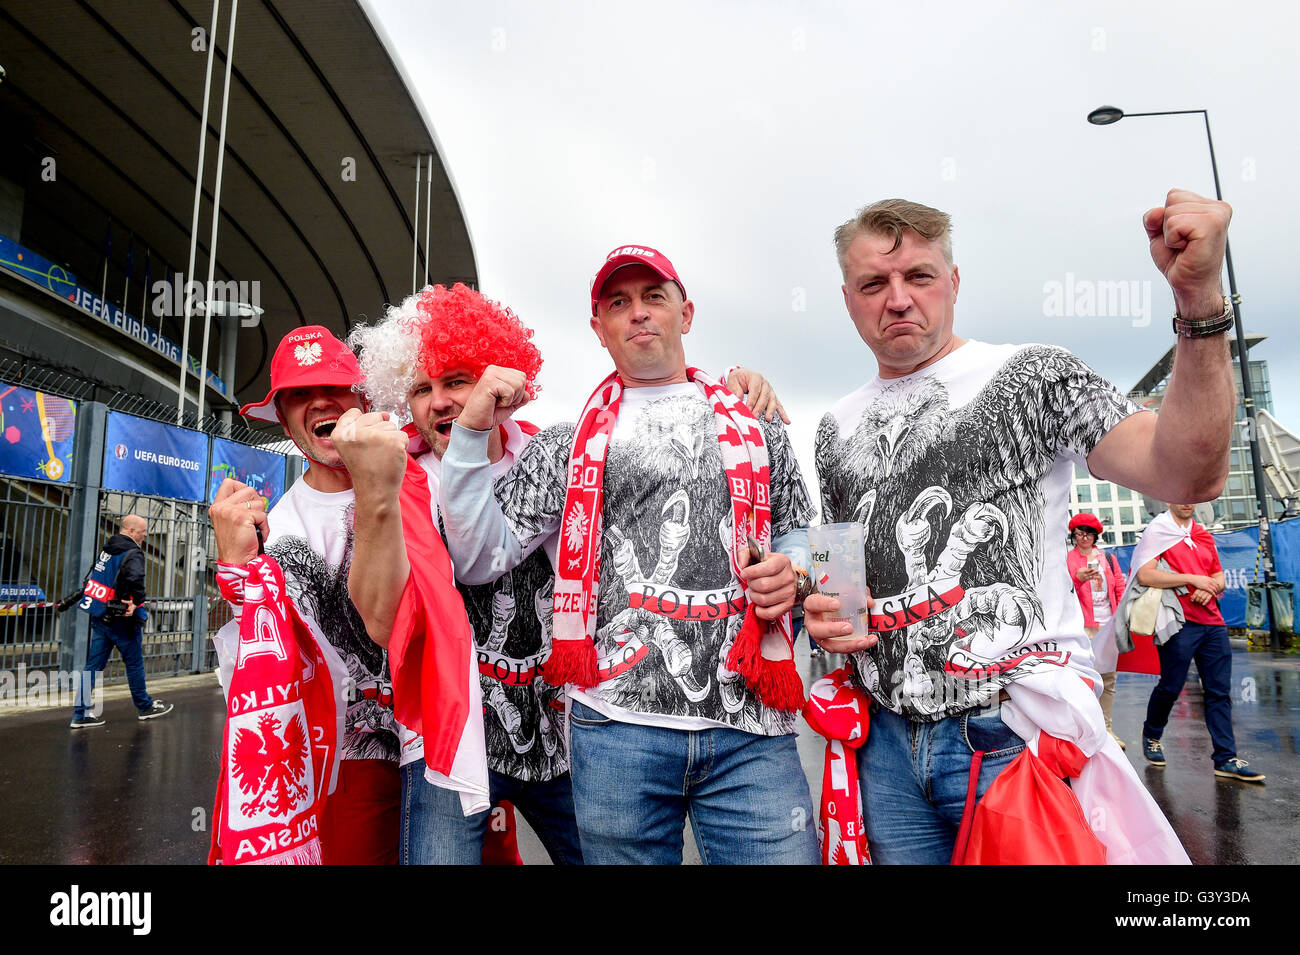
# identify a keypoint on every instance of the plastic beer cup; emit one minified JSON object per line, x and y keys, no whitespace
{"x":840,"y":571}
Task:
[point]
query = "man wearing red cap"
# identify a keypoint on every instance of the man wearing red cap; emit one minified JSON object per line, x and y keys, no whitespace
{"x":673,"y":640}
{"x":1099,"y":583}
{"x":309,"y":532}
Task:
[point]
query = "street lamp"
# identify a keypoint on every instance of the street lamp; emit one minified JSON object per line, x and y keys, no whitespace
{"x":1109,"y":115}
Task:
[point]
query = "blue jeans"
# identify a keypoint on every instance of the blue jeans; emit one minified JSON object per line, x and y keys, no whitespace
{"x":914,"y":778}
{"x":1208,"y":645}
{"x":436,"y":832}
{"x":127,"y":635}
{"x":633,"y":787}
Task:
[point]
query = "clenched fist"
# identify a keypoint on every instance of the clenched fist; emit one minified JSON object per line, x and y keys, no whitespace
{"x":237,"y":512}
{"x":373,"y":449}
{"x":498,"y":394}
{"x":1188,"y":235}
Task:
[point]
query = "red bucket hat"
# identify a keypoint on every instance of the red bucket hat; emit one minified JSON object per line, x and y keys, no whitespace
{"x":1085,"y":520}
{"x":633,"y":255}
{"x":306,"y":358}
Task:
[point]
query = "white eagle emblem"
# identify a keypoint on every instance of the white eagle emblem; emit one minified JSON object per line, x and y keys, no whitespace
{"x":575,"y":527}
{"x":307,"y":354}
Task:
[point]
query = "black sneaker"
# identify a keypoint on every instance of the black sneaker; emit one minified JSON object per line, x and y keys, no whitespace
{"x":159,"y":708}
{"x":81,"y":722}
{"x":1236,"y":769}
{"x":1153,"y":751}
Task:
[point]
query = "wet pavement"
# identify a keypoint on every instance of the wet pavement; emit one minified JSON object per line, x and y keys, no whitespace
{"x":141,"y":792}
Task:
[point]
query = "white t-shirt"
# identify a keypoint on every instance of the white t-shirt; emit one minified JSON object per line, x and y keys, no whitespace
{"x":311,"y":538}
{"x":961,"y":474}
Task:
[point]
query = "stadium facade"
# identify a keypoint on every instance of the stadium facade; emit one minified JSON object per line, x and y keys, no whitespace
{"x":321,"y":218}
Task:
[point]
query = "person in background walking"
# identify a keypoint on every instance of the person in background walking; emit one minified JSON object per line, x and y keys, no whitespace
{"x":1099,"y":583}
{"x":114,"y":598}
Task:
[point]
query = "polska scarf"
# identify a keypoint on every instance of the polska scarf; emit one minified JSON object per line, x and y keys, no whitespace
{"x":761,"y":653}
{"x":838,"y":710}
{"x":280,"y":750}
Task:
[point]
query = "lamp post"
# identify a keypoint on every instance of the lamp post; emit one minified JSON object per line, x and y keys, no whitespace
{"x":1108,"y":115}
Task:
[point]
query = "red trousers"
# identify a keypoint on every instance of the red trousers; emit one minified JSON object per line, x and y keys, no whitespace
{"x":361,"y":824}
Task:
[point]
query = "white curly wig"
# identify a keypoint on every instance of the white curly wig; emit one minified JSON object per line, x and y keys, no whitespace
{"x":389,"y":354}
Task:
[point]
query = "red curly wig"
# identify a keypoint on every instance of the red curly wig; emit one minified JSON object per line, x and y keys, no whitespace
{"x":459,"y":326}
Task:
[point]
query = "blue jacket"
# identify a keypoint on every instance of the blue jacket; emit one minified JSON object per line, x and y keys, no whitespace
{"x":118,"y":574}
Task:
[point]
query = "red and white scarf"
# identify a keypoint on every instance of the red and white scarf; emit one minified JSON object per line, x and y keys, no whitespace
{"x":838,"y":710}
{"x":280,"y":751}
{"x":762,"y":654}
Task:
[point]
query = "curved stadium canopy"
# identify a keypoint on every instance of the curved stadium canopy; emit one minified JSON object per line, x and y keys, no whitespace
{"x":318,"y":193}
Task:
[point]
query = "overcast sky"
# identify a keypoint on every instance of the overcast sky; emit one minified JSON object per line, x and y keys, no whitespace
{"x":735,"y":137}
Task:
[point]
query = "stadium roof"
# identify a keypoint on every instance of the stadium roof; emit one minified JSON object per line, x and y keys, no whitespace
{"x":115,"y":91}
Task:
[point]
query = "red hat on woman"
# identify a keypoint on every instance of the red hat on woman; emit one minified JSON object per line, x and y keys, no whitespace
{"x":1085,"y":520}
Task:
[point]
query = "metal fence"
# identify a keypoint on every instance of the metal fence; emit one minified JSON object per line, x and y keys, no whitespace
{"x":177,"y":580}
{"x":33,"y":527}
{"x":51,"y":533}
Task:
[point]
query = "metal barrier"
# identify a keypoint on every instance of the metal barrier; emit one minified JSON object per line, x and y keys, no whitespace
{"x":33,"y":525}
{"x":176,"y":580}
{"x":51,"y":533}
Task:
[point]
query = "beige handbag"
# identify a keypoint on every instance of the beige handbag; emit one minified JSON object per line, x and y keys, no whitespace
{"x":1143,"y":612}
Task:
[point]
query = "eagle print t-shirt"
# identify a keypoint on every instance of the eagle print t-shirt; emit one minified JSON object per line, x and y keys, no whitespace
{"x":311,"y":538}
{"x":523,"y":715}
{"x":667,"y":522}
{"x":960,"y":474}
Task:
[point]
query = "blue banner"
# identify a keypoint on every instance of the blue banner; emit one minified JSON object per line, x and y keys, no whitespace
{"x":1238,"y":552}
{"x":36,"y":434}
{"x":29,"y":265}
{"x":263,"y":471}
{"x":149,"y":457}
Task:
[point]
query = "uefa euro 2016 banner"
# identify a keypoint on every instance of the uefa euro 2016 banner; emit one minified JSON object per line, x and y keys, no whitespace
{"x":36,"y":434}
{"x":29,"y":265}
{"x":263,"y":471}
{"x":149,"y":457}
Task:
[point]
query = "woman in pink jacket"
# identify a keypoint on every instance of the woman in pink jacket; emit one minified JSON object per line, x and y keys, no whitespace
{"x":1098,"y":583}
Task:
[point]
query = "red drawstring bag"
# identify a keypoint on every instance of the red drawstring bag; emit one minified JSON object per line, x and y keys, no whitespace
{"x":1143,"y":658}
{"x":501,"y":844}
{"x":1029,"y":816}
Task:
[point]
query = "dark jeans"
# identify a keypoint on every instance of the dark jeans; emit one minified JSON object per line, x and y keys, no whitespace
{"x":1208,"y":645}
{"x":127,"y":634}
{"x":436,"y":832}
{"x":634,"y":787}
{"x":914,"y":778}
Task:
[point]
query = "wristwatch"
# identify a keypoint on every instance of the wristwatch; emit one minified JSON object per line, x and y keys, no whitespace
{"x":803,"y":584}
{"x":1205,"y":327}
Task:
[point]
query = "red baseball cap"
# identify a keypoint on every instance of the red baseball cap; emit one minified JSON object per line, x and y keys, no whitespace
{"x":306,"y":358}
{"x":633,"y":255}
{"x":1085,"y":520}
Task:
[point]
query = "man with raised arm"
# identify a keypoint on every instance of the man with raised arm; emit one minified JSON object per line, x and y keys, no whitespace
{"x":957,"y":458}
